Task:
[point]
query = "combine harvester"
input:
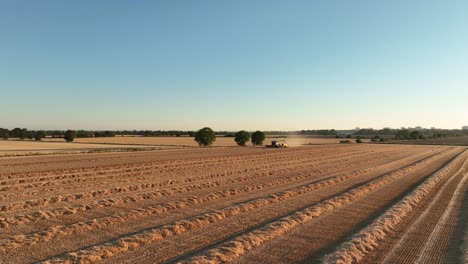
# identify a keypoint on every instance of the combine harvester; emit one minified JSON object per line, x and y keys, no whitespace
{"x":278,"y":144}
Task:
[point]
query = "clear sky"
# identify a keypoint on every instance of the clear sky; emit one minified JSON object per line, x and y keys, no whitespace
{"x":273,"y":65}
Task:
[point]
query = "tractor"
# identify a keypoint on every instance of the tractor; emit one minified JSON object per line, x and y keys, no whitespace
{"x":278,"y":144}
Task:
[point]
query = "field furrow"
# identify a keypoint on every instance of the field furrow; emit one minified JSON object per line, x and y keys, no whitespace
{"x":368,"y":239}
{"x":241,"y":205}
{"x":138,"y":196}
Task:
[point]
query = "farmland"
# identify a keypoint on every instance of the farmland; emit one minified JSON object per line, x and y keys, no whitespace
{"x":189,"y":142}
{"x":27,"y":147}
{"x":454,"y":141}
{"x":325,"y":203}
{"x":130,"y":143}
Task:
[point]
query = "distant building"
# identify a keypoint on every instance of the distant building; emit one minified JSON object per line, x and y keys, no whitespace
{"x":464,"y":127}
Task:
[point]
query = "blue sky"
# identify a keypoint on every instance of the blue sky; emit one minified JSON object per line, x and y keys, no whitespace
{"x":273,"y":65}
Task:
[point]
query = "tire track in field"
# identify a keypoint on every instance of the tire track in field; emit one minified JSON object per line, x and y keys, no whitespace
{"x":316,"y":238}
{"x":271,"y":230}
{"x":248,"y":241}
{"x":189,"y":169}
{"x":369,"y":238}
{"x":432,"y":243}
{"x":106,"y":170}
{"x":423,"y":234}
{"x":463,"y":236}
{"x":177,"y":169}
{"x":296,"y":163}
{"x":66,"y":230}
{"x":23,"y":219}
{"x":203,"y":240}
{"x":173,"y":163}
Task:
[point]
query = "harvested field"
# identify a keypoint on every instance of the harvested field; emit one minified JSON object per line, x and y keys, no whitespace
{"x":452,"y":141}
{"x":10,"y":148}
{"x":293,"y":141}
{"x":329,"y":203}
{"x":29,"y":147}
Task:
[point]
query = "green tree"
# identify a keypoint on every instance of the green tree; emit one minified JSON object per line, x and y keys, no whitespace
{"x":70,"y":135}
{"x":83,"y":134}
{"x":24,"y":134}
{"x":242,"y":137}
{"x":16,"y":132}
{"x":402,"y":134}
{"x":39,"y":135}
{"x":414,"y":135}
{"x":205,"y":136}
{"x":19,"y":133}
{"x":104,"y":134}
{"x":30,"y":134}
{"x":258,"y":137}
{"x":4,"y":133}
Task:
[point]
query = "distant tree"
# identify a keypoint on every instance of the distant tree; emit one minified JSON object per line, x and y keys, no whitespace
{"x":242,"y":137}
{"x":402,"y":134}
{"x":30,"y":134}
{"x":4,"y":133}
{"x":23,"y":134}
{"x":348,"y":136}
{"x":56,"y":133}
{"x":258,"y":137}
{"x":39,"y":135}
{"x":414,"y":135}
{"x":387,"y":131}
{"x":205,"y":136}
{"x":83,"y":134}
{"x":70,"y":135}
{"x":105,"y":134}
{"x":19,"y":133}
{"x":16,"y":132}
{"x":358,"y":140}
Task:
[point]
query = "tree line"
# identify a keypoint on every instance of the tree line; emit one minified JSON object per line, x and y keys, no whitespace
{"x":399,"y":134}
{"x":206,"y":137}
{"x":21,"y":133}
{"x":412,"y":133}
{"x":320,"y":132}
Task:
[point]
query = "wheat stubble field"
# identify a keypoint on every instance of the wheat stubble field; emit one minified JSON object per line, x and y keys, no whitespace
{"x":329,"y":203}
